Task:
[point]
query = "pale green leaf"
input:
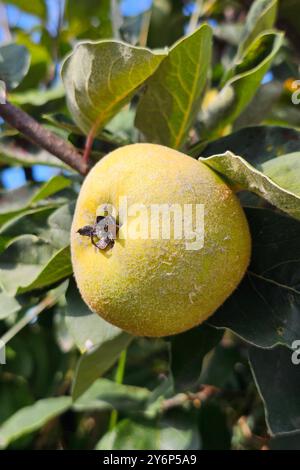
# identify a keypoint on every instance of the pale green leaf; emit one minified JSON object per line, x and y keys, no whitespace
{"x":8,"y":305}
{"x":242,"y":83}
{"x":285,"y":171}
{"x":175,"y":432}
{"x":14,"y":64}
{"x":37,"y":97}
{"x":29,"y":263}
{"x":172,"y":100}
{"x":105,"y":394}
{"x":31,"y":418}
{"x":261,"y":17}
{"x":239,"y":173}
{"x":56,"y":269}
{"x":100,"y":77}
{"x":98,"y":360}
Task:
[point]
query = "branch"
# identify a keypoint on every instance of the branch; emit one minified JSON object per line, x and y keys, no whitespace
{"x":206,"y":392}
{"x":40,"y":136}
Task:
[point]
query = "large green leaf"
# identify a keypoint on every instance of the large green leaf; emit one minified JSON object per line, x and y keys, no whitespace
{"x":261,"y":17}
{"x":187,"y":353}
{"x":37,"y":8}
{"x":278,"y":382}
{"x":240,"y":174}
{"x":264,"y":310}
{"x":172,"y":100}
{"x":106,"y":395}
{"x":177,"y":431}
{"x":31,"y":418}
{"x":101,"y":77}
{"x":14,"y":64}
{"x":242,"y":83}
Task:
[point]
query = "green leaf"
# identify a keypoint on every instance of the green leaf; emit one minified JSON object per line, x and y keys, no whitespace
{"x":107,"y":395}
{"x":243,"y":82}
{"x":8,"y":305}
{"x":219,"y":367}
{"x":240,"y":174}
{"x":256,"y":144}
{"x":10,"y":155}
{"x":31,"y":418}
{"x":167,"y":23}
{"x":29,"y":263}
{"x":278,"y":381}
{"x":261,"y":17}
{"x":187,"y":353}
{"x":40,"y":62}
{"x":89,"y":19}
{"x":264,"y":310}
{"x":37,"y":8}
{"x":53,"y":186}
{"x":37,"y":97}
{"x":14,"y":64}
{"x":101,"y":77}
{"x":57,"y":268}
{"x":98,"y":360}
{"x":174,"y":93}
{"x":86,"y":327}
{"x":59,"y":226}
{"x":177,"y":431}
{"x":285,"y":171}
{"x":62,"y":122}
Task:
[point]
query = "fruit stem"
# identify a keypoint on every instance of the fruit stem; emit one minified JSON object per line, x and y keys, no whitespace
{"x":119,"y":377}
{"x":88,"y":146}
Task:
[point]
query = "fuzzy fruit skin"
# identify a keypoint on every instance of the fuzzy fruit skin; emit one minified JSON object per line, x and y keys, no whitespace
{"x":157,"y":287}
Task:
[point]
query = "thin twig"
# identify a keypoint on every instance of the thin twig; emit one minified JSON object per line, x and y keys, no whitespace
{"x":206,"y":392}
{"x":40,"y":136}
{"x":88,"y":146}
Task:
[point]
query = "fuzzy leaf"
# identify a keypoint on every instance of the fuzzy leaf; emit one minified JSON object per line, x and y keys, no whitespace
{"x":32,"y":418}
{"x":101,"y":77}
{"x":239,"y":173}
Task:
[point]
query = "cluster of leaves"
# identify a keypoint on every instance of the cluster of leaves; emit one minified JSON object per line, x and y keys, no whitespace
{"x":60,"y":386}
